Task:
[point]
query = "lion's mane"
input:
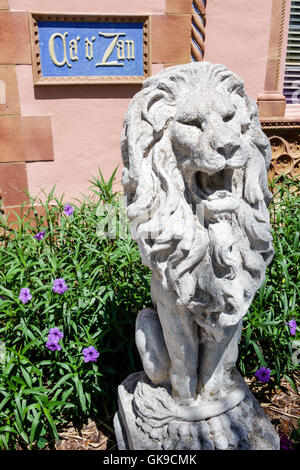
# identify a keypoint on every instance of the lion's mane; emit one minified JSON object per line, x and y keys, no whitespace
{"x":158,"y":195}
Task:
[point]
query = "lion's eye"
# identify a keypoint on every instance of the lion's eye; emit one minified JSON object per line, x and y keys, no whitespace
{"x":228,"y":116}
{"x":195,"y":123}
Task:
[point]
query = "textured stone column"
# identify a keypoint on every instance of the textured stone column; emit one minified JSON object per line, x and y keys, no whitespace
{"x":195,"y":178}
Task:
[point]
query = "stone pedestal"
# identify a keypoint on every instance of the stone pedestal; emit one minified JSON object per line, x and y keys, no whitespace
{"x":243,"y":427}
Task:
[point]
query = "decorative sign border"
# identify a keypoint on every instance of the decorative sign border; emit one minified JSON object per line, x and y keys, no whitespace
{"x":88,"y":80}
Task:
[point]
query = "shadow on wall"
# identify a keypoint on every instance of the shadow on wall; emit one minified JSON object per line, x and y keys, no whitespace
{"x":86,"y":91}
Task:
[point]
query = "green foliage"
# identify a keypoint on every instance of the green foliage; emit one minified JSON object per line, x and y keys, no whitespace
{"x":41,"y":390}
{"x":295,"y":435}
{"x":266,"y":338}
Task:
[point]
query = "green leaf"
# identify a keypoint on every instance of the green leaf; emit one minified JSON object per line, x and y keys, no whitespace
{"x":8,"y":429}
{"x":79,"y":389}
{"x":5,"y":400}
{"x":34,"y":426}
{"x":248,"y":336}
{"x":26,"y":376}
{"x":61,"y":381}
{"x":291,"y":382}
{"x":51,"y":423}
{"x":42,"y":442}
{"x":295,"y":435}
{"x":259,"y":354}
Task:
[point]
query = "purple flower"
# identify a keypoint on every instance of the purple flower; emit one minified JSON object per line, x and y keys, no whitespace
{"x":59,"y":286}
{"x":285,"y":442}
{"x":263,"y":374}
{"x":25,"y":295}
{"x":53,"y":344}
{"x":55,"y":334}
{"x":53,"y":339}
{"x":90,"y":354}
{"x":292,"y":325}
{"x":40,"y":235}
{"x":68,"y":210}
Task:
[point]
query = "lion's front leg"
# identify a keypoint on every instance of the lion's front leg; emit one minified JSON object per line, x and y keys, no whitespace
{"x":216,"y":362}
{"x":181,"y":338}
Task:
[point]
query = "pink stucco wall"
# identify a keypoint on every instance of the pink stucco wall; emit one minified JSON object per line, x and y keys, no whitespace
{"x":89,"y":6}
{"x":86,"y":126}
{"x":237,"y":35}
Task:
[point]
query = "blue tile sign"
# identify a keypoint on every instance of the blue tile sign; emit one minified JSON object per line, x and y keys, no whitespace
{"x":78,"y":49}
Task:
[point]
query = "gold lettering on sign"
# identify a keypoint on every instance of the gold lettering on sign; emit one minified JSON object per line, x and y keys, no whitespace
{"x":130,"y":49}
{"x":74,"y":48}
{"x":89,"y":54}
{"x":121,"y":50}
{"x":110,"y":49}
{"x":52,"y":50}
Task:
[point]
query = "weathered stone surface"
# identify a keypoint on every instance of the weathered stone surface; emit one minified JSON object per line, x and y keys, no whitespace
{"x":195,"y":178}
{"x":243,"y":427}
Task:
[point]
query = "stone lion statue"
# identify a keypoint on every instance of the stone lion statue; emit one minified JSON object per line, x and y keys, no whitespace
{"x":195,"y":179}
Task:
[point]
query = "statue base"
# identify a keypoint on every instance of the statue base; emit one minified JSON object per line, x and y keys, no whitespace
{"x":244,"y":426}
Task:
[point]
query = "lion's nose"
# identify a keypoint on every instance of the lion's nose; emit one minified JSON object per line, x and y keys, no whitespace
{"x":228,"y":149}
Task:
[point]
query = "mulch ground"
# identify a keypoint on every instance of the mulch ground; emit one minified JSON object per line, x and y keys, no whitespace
{"x":89,"y":437}
{"x":281,"y":404}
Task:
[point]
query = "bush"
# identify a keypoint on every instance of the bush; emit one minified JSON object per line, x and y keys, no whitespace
{"x":266,"y":337}
{"x":40,"y":389}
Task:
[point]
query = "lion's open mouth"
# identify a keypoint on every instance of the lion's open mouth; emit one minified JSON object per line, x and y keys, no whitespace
{"x":206,"y":185}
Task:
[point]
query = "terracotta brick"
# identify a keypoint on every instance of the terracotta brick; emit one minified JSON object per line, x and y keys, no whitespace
{"x":4,"y":5}
{"x":169,"y":65}
{"x":38,"y":138}
{"x":13,"y":183}
{"x":14,"y":38}
{"x":12,"y":142}
{"x":171,"y":38}
{"x":271,"y":108}
{"x":179,"y":6}
{"x":26,"y":212}
{"x":11,"y":214}
{"x":9,"y":96}
{"x":25,"y":138}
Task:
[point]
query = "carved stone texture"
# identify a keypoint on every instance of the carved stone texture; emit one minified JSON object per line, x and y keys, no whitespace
{"x":285,"y":154}
{"x":195,"y":179}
